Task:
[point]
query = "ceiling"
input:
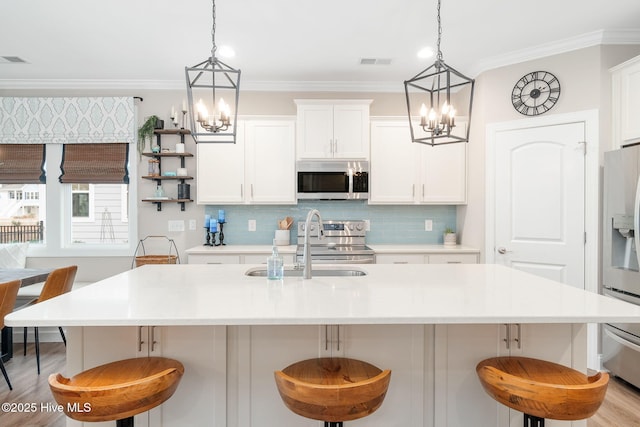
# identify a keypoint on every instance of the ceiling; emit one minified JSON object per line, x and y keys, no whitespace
{"x":290,"y":44}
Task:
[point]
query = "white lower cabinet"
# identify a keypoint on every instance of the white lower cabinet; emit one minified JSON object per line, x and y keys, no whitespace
{"x":461,"y":401}
{"x":261,"y":350}
{"x":229,"y":371}
{"x":237,"y":258}
{"x":200,"y":398}
{"x":428,"y":258}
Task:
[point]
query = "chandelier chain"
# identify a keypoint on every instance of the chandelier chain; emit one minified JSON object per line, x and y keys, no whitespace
{"x":213,"y":30}
{"x":439,"y":33}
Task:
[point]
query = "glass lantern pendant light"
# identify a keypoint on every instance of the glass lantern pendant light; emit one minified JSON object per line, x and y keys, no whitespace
{"x":439,"y":90}
{"x":209,"y":83}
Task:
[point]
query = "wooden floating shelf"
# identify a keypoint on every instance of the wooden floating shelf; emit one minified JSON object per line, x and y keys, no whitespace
{"x":168,"y":154}
{"x":161,"y":177}
{"x":172,"y":132}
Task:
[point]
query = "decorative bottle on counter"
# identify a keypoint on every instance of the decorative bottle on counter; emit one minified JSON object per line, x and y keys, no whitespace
{"x":275,"y":264}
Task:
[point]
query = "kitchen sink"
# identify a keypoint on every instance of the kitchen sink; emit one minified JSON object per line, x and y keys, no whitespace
{"x":332,"y":271}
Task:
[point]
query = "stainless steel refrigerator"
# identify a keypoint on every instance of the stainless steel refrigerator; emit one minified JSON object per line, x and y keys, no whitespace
{"x":621,"y":275}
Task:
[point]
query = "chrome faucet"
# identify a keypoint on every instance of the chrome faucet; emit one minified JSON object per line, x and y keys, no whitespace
{"x":306,"y":254}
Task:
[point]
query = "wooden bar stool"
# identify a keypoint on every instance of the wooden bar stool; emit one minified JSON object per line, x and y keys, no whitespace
{"x":542,"y":389}
{"x":117,"y":391}
{"x":332,"y":389}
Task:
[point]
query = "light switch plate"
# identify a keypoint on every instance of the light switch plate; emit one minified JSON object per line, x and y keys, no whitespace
{"x":192,"y":224}
{"x":251,"y":225}
{"x":428,"y":225}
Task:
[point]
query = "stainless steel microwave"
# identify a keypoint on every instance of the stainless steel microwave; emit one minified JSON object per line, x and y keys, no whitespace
{"x":332,"y":179}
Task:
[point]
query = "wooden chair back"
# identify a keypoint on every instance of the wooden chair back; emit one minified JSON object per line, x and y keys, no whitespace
{"x":541,"y":388}
{"x":58,"y":282}
{"x":332,"y":389}
{"x":118,"y":389}
{"x":8,"y":294}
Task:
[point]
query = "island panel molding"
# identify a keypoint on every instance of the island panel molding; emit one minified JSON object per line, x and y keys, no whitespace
{"x":66,"y":120}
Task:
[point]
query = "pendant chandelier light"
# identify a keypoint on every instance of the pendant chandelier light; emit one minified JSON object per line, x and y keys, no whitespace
{"x":210,"y":84}
{"x":440,"y":91}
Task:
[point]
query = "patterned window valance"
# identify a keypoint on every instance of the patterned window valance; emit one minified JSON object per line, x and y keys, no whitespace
{"x":95,"y":164}
{"x":66,"y":120}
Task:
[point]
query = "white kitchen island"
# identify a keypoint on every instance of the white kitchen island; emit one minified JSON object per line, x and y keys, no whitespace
{"x":429,"y":324}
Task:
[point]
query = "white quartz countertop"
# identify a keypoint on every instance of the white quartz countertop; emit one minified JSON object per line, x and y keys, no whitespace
{"x":389,"y":294}
{"x":421,"y":249}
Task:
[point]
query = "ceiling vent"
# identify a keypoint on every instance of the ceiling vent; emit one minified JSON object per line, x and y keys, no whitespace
{"x":375,"y":61}
{"x":12,"y":60}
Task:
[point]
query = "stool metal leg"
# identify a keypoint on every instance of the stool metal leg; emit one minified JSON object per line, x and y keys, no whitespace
{"x":531,"y":421}
{"x":333,"y":424}
{"x":125,"y":422}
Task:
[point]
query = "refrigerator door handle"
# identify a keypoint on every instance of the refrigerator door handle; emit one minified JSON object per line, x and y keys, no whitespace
{"x":636,"y":221}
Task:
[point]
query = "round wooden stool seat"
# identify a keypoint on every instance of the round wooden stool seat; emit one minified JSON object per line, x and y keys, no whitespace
{"x":332,"y":389}
{"x":542,"y":389}
{"x":117,"y":390}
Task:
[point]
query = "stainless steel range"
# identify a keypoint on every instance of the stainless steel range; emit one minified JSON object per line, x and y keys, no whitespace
{"x":343,"y":243}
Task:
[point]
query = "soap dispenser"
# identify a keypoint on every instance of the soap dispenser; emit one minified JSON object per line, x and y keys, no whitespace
{"x":275,"y":264}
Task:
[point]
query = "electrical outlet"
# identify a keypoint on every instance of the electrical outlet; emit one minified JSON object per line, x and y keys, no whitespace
{"x":192,"y":224}
{"x":252,"y":225}
{"x":428,"y":225}
{"x":367,"y":225}
{"x":177,"y":225}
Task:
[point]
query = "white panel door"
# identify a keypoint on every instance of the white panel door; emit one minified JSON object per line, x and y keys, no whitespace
{"x":539,"y":201}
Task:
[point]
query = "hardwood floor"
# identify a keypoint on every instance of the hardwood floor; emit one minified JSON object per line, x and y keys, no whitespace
{"x":30,"y":395}
{"x":620,"y":409}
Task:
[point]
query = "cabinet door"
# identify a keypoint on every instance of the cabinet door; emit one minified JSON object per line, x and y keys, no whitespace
{"x":200,"y":398}
{"x":221,"y":171}
{"x":400,"y":259}
{"x":270,"y":161}
{"x":351,"y":131}
{"x":630,"y":102}
{"x":255,"y":352}
{"x":460,"y":399}
{"x":315,"y":131}
{"x":444,"y":173}
{"x":394,"y":163}
{"x":402,"y":349}
{"x":452,"y":258}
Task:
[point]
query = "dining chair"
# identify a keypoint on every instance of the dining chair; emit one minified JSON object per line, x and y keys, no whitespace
{"x":59,"y":281}
{"x":8,"y":294}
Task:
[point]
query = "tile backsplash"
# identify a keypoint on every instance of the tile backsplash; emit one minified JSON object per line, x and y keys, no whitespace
{"x":389,"y":224}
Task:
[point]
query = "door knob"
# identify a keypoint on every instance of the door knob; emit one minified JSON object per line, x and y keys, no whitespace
{"x":502,"y":250}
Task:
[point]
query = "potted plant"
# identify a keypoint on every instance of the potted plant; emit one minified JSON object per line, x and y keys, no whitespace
{"x":146,"y":131}
{"x":449,"y":237}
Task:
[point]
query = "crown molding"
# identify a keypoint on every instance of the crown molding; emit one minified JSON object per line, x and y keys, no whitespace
{"x":600,"y":37}
{"x":595,"y":38}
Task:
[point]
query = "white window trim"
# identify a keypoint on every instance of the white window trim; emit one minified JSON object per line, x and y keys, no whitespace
{"x":58,"y":238}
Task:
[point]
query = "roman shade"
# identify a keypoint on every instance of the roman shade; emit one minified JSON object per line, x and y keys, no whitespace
{"x":95,"y":164}
{"x":22,"y":164}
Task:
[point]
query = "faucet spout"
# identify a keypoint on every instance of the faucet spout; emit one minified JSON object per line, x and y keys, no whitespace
{"x":306,"y":255}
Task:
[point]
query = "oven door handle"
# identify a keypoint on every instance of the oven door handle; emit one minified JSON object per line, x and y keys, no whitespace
{"x":622,"y":341}
{"x":614,"y":293}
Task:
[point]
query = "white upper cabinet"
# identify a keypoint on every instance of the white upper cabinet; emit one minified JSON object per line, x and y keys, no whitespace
{"x":333,"y":129}
{"x":403,"y":172}
{"x":258,"y":169}
{"x":625,"y":105}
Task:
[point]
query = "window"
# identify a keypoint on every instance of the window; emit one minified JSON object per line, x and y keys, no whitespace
{"x":77,"y":218}
{"x":80,"y":201}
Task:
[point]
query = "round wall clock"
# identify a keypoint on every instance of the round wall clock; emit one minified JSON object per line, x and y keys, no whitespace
{"x":535,"y":93}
